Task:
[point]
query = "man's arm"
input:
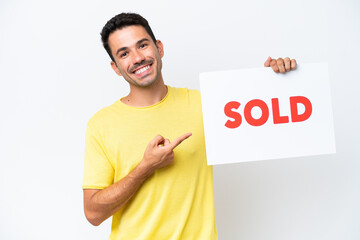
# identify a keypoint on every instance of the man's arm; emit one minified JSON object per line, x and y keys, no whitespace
{"x":99,"y":204}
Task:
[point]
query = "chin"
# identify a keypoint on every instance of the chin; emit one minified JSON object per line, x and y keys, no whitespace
{"x":145,"y":84}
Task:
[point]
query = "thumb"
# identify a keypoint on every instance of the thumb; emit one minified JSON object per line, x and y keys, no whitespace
{"x":267,"y":62}
{"x":165,"y":143}
{"x":157,"y":140}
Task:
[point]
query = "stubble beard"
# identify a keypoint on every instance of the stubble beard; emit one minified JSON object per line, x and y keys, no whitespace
{"x":145,"y":84}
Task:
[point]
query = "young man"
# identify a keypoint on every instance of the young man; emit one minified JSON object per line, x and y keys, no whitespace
{"x":153,"y":187}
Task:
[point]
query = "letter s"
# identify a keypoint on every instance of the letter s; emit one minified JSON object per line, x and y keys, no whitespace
{"x":231,"y":114}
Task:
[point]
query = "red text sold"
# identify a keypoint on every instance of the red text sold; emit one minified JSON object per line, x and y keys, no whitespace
{"x":230,"y":112}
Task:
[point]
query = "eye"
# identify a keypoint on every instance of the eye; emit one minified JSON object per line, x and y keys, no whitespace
{"x":124,"y":54}
{"x":143,"y":45}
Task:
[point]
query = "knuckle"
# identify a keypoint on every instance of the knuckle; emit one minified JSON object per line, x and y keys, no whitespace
{"x":155,"y":139}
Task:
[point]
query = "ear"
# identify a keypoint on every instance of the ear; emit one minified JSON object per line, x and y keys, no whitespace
{"x":160,"y":47}
{"x":115,"y":68}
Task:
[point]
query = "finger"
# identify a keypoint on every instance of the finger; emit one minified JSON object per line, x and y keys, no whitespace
{"x":293,"y":64}
{"x":166,"y":142}
{"x":267,"y":62}
{"x":274,"y":65}
{"x":177,"y":141}
{"x":280,"y":64}
{"x":287,"y":64}
{"x":158,"y":140}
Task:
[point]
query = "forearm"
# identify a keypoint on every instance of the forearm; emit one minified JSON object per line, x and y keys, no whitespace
{"x":104,"y":203}
{"x":101,"y":204}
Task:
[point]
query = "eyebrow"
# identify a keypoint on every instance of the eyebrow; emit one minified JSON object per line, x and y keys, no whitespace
{"x":137,"y":43}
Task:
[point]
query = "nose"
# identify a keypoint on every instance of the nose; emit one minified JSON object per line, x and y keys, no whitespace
{"x":138,"y":57}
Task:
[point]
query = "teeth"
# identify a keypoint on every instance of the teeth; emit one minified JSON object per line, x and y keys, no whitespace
{"x":141,"y":70}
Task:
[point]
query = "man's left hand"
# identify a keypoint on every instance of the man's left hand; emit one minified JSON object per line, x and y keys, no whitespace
{"x":281,"y":65}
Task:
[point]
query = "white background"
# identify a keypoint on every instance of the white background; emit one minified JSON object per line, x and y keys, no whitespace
{"x":54,"y":75}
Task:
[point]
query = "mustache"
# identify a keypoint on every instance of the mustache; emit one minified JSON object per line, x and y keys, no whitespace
{"x":142,"y":63}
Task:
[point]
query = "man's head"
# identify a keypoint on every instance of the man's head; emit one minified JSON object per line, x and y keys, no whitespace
{"x":120,"y":21}
{"x":135,"y":53}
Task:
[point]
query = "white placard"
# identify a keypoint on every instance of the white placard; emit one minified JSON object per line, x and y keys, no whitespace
{"x":256,"y":114}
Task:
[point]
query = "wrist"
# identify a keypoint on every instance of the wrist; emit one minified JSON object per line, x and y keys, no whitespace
{"x":145,"y":169}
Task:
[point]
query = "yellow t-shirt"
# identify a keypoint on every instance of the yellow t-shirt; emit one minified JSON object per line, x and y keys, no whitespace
{"x":176,"y":202}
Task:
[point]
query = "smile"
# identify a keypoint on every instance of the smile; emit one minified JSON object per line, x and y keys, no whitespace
{"x":141,"y":70}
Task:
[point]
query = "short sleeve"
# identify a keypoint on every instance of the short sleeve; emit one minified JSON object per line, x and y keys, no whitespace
{"x":98,"y":171}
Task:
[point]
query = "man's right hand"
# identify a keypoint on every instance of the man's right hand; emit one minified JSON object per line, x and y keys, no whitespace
{"x":159,"y":152}
{"x":99,"y":204}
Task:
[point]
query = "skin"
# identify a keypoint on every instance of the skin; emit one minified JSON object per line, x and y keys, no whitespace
{"x":101,"y":204}
{"x":133,"y":49}
{"x":281,"y":65}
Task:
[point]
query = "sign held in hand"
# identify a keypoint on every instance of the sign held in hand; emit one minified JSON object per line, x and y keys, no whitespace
{"x":256,"y":114}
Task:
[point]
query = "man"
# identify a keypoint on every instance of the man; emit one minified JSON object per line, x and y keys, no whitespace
{"x":153,"y":187}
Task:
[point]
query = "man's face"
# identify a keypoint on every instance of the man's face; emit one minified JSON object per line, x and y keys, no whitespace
{"x":137,"y":57}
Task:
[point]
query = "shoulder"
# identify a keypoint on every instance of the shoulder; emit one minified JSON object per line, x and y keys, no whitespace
{"x":103,"y":116}
{"x":186,"y":97}
{"x":185,"y":92}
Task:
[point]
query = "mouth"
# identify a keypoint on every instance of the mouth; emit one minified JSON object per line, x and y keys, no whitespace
{"x":143,"y":71}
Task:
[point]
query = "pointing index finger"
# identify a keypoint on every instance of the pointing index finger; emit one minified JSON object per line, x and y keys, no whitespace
{"x":177,"y":141}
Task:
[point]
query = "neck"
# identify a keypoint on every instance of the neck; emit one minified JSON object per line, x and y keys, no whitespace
{"x":146,"y":96}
